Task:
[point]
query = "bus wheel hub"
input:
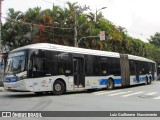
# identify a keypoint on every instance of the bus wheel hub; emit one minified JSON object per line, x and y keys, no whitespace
{"x":57,"y":87}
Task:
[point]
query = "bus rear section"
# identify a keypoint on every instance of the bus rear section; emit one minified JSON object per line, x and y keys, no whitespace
{"x":136,"y":70}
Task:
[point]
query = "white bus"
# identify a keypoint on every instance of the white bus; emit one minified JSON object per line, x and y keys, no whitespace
{"x":45,"y":67}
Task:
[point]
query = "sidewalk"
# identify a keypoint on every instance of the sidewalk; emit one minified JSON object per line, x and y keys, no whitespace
{"x":1,"y":89}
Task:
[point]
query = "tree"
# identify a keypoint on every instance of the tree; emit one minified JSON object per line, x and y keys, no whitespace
{"x":155,"y":39}
{"x":14,"y":33}
{"x":56,"y":26}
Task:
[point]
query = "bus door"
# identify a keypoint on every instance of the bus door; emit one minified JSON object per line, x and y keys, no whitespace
{"x":137,"y":72}
{"x":79,"y":71}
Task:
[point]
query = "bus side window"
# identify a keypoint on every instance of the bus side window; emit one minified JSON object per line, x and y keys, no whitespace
{"x":38,"y":67}
{"x":144,"y":68}
{"x":89,"y":65}
{"x":113,"y":66}
{"x":103,"y":65}
{"x":132,"y":67}
{"x":96,"y":65}
{"x":63,"y":63}
{"x":38,"y":63}
{"x":51,"y":62}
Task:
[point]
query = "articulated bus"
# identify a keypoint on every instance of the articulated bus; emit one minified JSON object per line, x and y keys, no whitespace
{"x":45,"y":67}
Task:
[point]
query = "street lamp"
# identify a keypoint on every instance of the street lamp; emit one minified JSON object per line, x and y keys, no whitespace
{"x":98,"y":11}
{"x":75,"y":22}
{"x":78,"y":41}
{"x":19,"y":14}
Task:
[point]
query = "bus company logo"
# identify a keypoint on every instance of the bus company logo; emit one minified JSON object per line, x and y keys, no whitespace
{"x":6,"y":114}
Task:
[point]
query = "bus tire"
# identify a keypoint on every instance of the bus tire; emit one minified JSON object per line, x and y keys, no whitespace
{"x":110,"y":84}
{"x":58,"y":87}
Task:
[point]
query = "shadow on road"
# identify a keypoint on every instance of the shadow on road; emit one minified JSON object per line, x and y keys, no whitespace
{"x":44,"y":94}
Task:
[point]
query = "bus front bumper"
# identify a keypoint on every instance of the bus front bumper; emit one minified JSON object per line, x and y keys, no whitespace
{"x":16,"y":86}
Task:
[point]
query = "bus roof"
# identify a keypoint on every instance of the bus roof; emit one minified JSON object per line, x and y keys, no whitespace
{"x":48,"y":46}
{"x":54,"y":47}
{"x":133,"y":57}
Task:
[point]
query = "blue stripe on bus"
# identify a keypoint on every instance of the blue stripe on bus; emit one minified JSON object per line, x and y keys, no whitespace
{"x":11,"y":79}
{"x":134,"y":80}
{"x":117,"y":81}
{"x":104,"y":81}
{"x":142,"y":79}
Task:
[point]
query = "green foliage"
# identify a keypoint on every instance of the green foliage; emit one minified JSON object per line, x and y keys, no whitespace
{"x":49,"y":25}
{"x":155,"y":40}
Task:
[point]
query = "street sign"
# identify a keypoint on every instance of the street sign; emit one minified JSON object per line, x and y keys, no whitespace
{"x":102,"y":35}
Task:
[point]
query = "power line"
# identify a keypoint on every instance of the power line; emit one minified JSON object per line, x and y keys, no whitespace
{"x":58,"y":34}
{"x":48,"y":1}
{"x":132,"y":31}
{"x":55,"y":0}
{"x":138,"y":33}
{"x":37,"y":24}
{"x":55,"y":33}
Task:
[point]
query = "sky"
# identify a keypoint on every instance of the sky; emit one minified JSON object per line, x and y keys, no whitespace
{"x":141,"y":18}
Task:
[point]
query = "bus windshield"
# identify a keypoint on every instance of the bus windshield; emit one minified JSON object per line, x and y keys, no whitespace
{"x":16,"y":63}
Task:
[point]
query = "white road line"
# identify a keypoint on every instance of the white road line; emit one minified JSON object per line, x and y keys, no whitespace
{"x":101,"y":93}
{"x":132,"y":94}
{"x":152,"y":93}
{"x":119,"y":93}
{"x":157,"y":97}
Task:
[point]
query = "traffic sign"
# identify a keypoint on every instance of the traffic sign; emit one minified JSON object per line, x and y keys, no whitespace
{"x":102,"y":35}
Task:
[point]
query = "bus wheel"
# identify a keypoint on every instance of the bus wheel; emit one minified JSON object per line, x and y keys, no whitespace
{"x":58,"y":87}
{"x":110,"y":84}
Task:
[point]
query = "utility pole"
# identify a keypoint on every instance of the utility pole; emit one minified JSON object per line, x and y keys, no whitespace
{"x":0,"y":26}
{"x":75,"y":29}
{"x":1,"y":51}
{"x":75,"y":22}
{"x":76,"y":41}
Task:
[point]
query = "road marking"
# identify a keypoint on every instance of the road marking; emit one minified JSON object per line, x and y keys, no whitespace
{"x":104,"y":91}
{"x":157,"y":97}
{"x":152,"y":93}
{"x":101,"y":93}
{"x":119,"y":93}
{"x":132,"y":94}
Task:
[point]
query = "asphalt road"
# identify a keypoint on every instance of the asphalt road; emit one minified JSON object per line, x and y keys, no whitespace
{"x":135,"y":98}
